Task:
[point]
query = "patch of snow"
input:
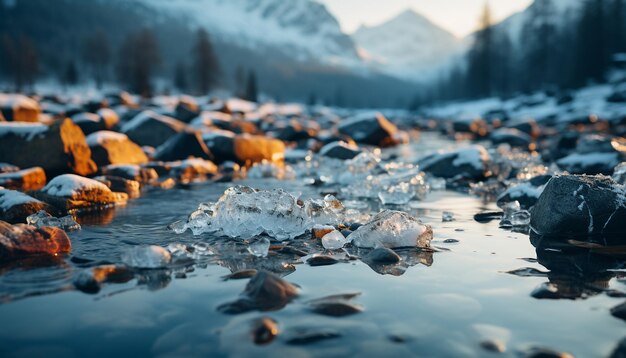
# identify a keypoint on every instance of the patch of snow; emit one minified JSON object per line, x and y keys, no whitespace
{"x":25,"y":130}
{"x":70,"y":185}
{"x":11,"y":198}
{"x":101,"y":137}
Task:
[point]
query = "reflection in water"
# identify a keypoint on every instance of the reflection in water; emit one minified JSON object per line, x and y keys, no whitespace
{"x":575,"y":271}
{"x":34,"y":276}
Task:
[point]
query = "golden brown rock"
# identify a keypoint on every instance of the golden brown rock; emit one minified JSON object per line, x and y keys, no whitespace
{"x":23,"y":240}
{"x":24,"y":180}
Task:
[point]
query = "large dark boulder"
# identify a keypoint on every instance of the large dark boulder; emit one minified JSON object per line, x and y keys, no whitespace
{"x":369,"y":128}
{"x":59,"y":148}
{"x":22,"y":240}
{"x":580,"y":206}
{"x":182,"y":146}
{"x":469,"y":163}
{"x":109,"y":147}
{"x":152,"y":129}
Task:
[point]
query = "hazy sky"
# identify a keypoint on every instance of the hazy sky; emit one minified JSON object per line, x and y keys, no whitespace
{"x":457,"y":16}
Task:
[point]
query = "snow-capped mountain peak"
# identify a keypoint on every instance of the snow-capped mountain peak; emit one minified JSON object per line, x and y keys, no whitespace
{"x":409,"y":45}
{"x":303,"y":29}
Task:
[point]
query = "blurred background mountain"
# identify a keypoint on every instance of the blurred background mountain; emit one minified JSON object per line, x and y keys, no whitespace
{"x":296,"y":51}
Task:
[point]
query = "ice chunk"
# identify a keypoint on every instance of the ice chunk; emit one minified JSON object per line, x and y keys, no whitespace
{"x":146,"y":257}
{"x":259,"y":247}
{"x":392,"y":229}
{"x":243,"y":212}
{"x":619,"y":174}
{"x":268,"y":169}
{"x":334,"y":240}
{"x":42,"y":218}
{"x":396,"y":187}
{"x":509,"y":211}
{"x":447,"y":216}
{"x":520,"y":218}
{"x":399,"y":194}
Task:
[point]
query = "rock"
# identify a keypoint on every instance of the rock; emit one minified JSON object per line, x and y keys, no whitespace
{"x":24,"y":180}
{"x":8,"y":168}
{"x":137,"y":173}
{"x":70,"y":192}
{"x":619,"y":311}
{"x":339,"y":150}
{"x":152,"y":129}
{"x":527,"y":126}
{"x":392,"y":229}
{"x":221,"y":144}
{"x":303,"y":335}
{"x":488,"y":216}
{"x":512,"y":137}
{"x":572,"y":205}
{"x":181,"y":146}
{"x":336,"y":308}
{"x":526,"y":193}
{"x":22,"y":240}
{"x":470,"y":163}
{"x":91,"y":280}
{"x":114,"y":148}
{"x":59,"y":148}
{"x":89,"y":122}
{"x":15,"y":207}
{"x":251,"y":149}
{"x":19,"y":108}
{"x":475,"y":126}
{"x":541,"y":352}
{"x":493,"y":345}
{"x":191,"y":170}
{"x":620,"y":350}
{"x":370,"y":128}
{"x":186,"y":109}
{"x":383,"y":255}
{"x":321,"y":260}
{"x":264,"y":330}
{"x":294,"y":131}
{"x":121,"y":185}
{"x":241,"y":274}
{"x":590,"y":163}
{"x":264,"y":292}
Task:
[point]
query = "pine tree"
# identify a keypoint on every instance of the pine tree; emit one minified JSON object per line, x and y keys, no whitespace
{"x":252,"y":87}
{"x":240,"y":82}
{"x":480,"y":57}
{"x":97,"y":54}
{"x":180,"y":77}
{"x":206,"y":66}
{"x":20,"y":60}
{"x":139,"y":59}
{"x":70,"y":75}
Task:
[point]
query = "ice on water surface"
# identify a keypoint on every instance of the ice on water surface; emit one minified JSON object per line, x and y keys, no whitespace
{"x":42,"y":218}
{"x":243,"y":212}
{"x":259,"y":247}
{"x":514,"y":216}
{"x":148,"y":257}
{"x":392,"y":229}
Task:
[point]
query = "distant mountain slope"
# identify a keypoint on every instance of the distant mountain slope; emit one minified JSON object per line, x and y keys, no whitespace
{"x":408,"y":45}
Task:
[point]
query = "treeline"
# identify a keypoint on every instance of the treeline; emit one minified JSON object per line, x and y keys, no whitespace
{"x":136,"y":65}
{"x":555,"y":51}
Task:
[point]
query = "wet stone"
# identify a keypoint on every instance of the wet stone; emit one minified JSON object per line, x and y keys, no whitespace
{"x":264,"y":330}
{"x":242,"y":274}
{"x":619,"y":311}
{"x":264,"y":292}
{"x":542,"y":352}
{"x":336,"y":309}
{"x":488,"y":216}
{"x":383,"y":255}
{"x":304,"y":336}
{"x":528,"y":272}
{"x":494,"y":346}
{"x":321,"y":260}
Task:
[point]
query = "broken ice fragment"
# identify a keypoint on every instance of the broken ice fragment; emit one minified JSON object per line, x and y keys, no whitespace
{"x":447,"y":216}
{"x":520,"y":218}
{"x":178,"y":227}
{"x":243,"y":212}
{"x":334,"y":240}
{"x":509,"y":210}
{"x":259,"y":247}
{"x":392,"y":229}
{"x":146,"y":257}
{"x":42,"y":218}
{"x":399,"y":194}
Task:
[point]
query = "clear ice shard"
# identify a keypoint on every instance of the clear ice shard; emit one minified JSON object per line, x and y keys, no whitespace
{"x":243,"y":212}
{"x":334,"y":240}
{"x":392,"y":229}
{"x":148,"y":257}
{"x":447,"y":216}
{"x":520,"y":218}
{"x":510,"y":211}
{"x":259,"y":247}
{"x":42,"y":218}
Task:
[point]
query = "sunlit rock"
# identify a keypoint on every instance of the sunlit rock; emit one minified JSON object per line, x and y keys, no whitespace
{"x":22,"y":240}
{"x":15,"y":206}
{"x":114,"y":148}
{"x":24,"y":180}
{"x":69,"y":192}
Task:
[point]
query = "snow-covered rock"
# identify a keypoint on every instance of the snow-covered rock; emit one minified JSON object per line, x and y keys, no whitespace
{"x":151,"y":128}
{"x":370,"y":128}
{"x":15,"y":206}
{"x":24,"y":180}
{"x":71,"y":191}
{"x":109,"y":147}
{"x":590,"y":163}
{"x":19,"y":108}
{"x":470,"y":162}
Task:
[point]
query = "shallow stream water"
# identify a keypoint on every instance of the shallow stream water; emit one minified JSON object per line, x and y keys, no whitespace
{"x":440,"y":304}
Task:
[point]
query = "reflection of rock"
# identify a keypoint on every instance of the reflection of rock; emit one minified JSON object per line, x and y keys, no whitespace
{"x":33,"y":276}
{"x":409,"y":257}
{"x":575,"y":272}
{"x":264,"y":292}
